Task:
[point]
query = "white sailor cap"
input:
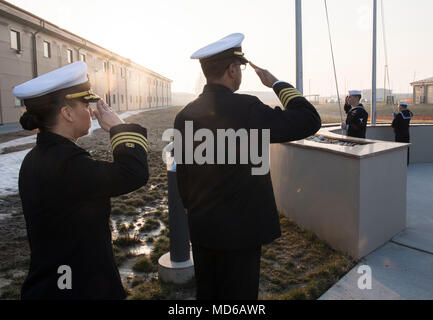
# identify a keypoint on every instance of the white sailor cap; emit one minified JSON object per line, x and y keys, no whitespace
{"x":70,"y":82}
{"x":230,"y":46}
{"x":404,"y":103}
{"x":355,"y":93}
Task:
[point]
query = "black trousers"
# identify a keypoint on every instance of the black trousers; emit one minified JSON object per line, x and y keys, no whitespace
{"x":227,"y":275}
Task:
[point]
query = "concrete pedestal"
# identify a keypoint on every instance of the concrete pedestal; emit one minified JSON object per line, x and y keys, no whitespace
{"x":175,"y":272}
{"x":354,"y":198}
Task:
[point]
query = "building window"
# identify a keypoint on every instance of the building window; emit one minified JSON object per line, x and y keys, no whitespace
{"x":18,"y":102}
{"x":15,"y":40}
{"x":130,"y":99}
{"x":121,"y":99}
{"x":113,"y":69}
{"x":121,"y":72}
{"x":105,"y":66}
{"x":47,"y":49}
{"x":70,"y":55}
{"x":114,"y":99}
{"x":83,"y":57}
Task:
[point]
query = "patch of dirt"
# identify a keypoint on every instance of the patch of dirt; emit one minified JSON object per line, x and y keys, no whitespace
{"x":16,"y":135}
{"x":18,"y":148}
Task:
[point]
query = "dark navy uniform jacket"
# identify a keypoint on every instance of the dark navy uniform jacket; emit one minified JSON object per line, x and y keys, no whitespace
{"x":401,"y":125}
{"x":228,"y":207}
{"x":356,"y":122}
{"x":66,"y":203}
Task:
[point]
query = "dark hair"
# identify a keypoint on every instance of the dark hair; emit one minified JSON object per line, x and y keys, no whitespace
{"x":215,"y":69}
{"x":42,"y":112}
{"x":29,"y":121}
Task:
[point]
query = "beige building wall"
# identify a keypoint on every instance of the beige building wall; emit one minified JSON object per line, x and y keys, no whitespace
{"x":430,"y":94}
{"x":123,"y":83}
{"x":423,"y":93}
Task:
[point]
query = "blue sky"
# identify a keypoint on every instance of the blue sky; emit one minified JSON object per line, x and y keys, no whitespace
{"x":161,"y":35}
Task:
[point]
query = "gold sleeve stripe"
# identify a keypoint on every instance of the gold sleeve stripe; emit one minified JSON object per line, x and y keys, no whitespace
{"x":128,"y":134}
{"x":286,"y":91}
{"x":129,"y":140}
{"x":286,"y":95}
{"x":114,"y":141}
{"x":290,"y":98}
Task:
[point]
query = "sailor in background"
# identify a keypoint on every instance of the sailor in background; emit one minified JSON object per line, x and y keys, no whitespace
{"x":401,"y":124}
{"x":357,"y":116}
{"x":232,"y":213}
{"x":66,"y":194}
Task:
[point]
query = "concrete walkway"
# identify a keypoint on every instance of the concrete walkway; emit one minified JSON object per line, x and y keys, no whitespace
{"x":11,"y":127}
{"x":402,"y":268}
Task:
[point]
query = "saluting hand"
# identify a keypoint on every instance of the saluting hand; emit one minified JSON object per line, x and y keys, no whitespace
{"x":107,"y":118}
{"x":265,"y":76}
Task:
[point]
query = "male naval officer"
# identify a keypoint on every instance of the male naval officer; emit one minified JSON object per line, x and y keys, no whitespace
{"x":231,"y":212}
{"x":357,"y":116}
{"x":401,"y":124}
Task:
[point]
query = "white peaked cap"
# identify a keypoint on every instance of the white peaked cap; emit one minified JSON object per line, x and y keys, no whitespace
{"x":355,"y":93}
{"x":69,"y":76}
{"x":232,"y":41}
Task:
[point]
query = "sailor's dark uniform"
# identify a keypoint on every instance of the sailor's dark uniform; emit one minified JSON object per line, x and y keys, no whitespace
{"x":231,"y":212}
{"x":356,"y":122}
{"x":401,"y":125}
{"x":66,"y":203}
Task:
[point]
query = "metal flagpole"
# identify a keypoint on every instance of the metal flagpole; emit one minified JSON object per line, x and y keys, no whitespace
{"x":373,"y":87}
{"x":299,"y":68}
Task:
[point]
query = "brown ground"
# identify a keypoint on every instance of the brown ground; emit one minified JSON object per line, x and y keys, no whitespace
{"x":5,"y":137}
{"x":297,"y":266}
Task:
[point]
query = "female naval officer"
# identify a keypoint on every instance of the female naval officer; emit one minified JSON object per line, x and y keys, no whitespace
{"x":66,"y":194}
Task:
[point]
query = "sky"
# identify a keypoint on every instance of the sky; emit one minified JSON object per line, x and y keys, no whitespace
{"x":161,"y":35}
